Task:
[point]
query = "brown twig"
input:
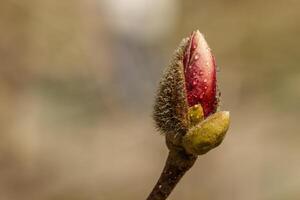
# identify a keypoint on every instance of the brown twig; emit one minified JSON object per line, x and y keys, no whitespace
{"x":177,"y":164}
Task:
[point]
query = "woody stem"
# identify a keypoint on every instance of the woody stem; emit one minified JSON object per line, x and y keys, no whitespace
{"x":177,"y":164}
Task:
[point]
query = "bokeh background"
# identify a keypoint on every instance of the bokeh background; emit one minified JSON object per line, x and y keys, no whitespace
{"x":77,"y":84}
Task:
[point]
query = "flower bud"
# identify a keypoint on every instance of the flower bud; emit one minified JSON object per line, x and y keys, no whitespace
{"x":206,"y":135}
{"x":200,"y":74}
{"x":189,"y":80}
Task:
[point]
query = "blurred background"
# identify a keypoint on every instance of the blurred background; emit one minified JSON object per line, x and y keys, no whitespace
{"x":77,"y":84}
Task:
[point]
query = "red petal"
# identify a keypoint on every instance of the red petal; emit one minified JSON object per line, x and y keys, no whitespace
{"x":200,"y":74}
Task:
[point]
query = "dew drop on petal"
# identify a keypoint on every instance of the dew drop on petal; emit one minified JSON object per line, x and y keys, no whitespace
{"x":194,"y":82}
{"x":205,"y":80}
{"x":196,"y":57}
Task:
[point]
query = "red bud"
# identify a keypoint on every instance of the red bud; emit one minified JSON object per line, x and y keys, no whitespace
{"x":200,"y":74}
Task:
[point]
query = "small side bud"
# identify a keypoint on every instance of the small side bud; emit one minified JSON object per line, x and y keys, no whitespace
{"x":196,"y":114}
{"x":207,"y":135}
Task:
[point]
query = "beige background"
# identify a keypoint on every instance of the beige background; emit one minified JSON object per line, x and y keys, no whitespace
{"x":77,"y":82}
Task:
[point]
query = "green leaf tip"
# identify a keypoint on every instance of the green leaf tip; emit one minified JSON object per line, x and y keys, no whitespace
{"x":196,"y":114}
{"x":208,"y":134}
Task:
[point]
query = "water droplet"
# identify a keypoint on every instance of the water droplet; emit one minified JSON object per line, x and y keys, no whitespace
{"x":194,"y":82}
{"x":205,"y":80}
{"x":205,"y":87}
{"x":159,"y":186}
{"x":194,"y":73}
{"x":194,"y":46}
{"x":207,"y":63}
{"x":201,"y":72}
{"x":196,"y":57}
{"x":190,"y":66}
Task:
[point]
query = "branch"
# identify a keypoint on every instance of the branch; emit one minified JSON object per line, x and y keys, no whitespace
{"x":177,"y":164}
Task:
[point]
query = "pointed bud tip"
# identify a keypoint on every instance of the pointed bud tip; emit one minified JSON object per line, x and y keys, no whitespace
{"x":197,"y":33}
{"x":225,"y":114}
{"x":199,"y":38}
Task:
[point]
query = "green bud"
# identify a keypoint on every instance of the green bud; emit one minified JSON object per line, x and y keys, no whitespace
{"x":196,"y":114}
{"x":206,"y":135}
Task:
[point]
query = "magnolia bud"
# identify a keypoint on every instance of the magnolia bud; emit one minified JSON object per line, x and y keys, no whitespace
{"x":200,"y":74}
{"x":185,"y":111}
{"x":206,"y":135}
{"x":189,"y":80}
